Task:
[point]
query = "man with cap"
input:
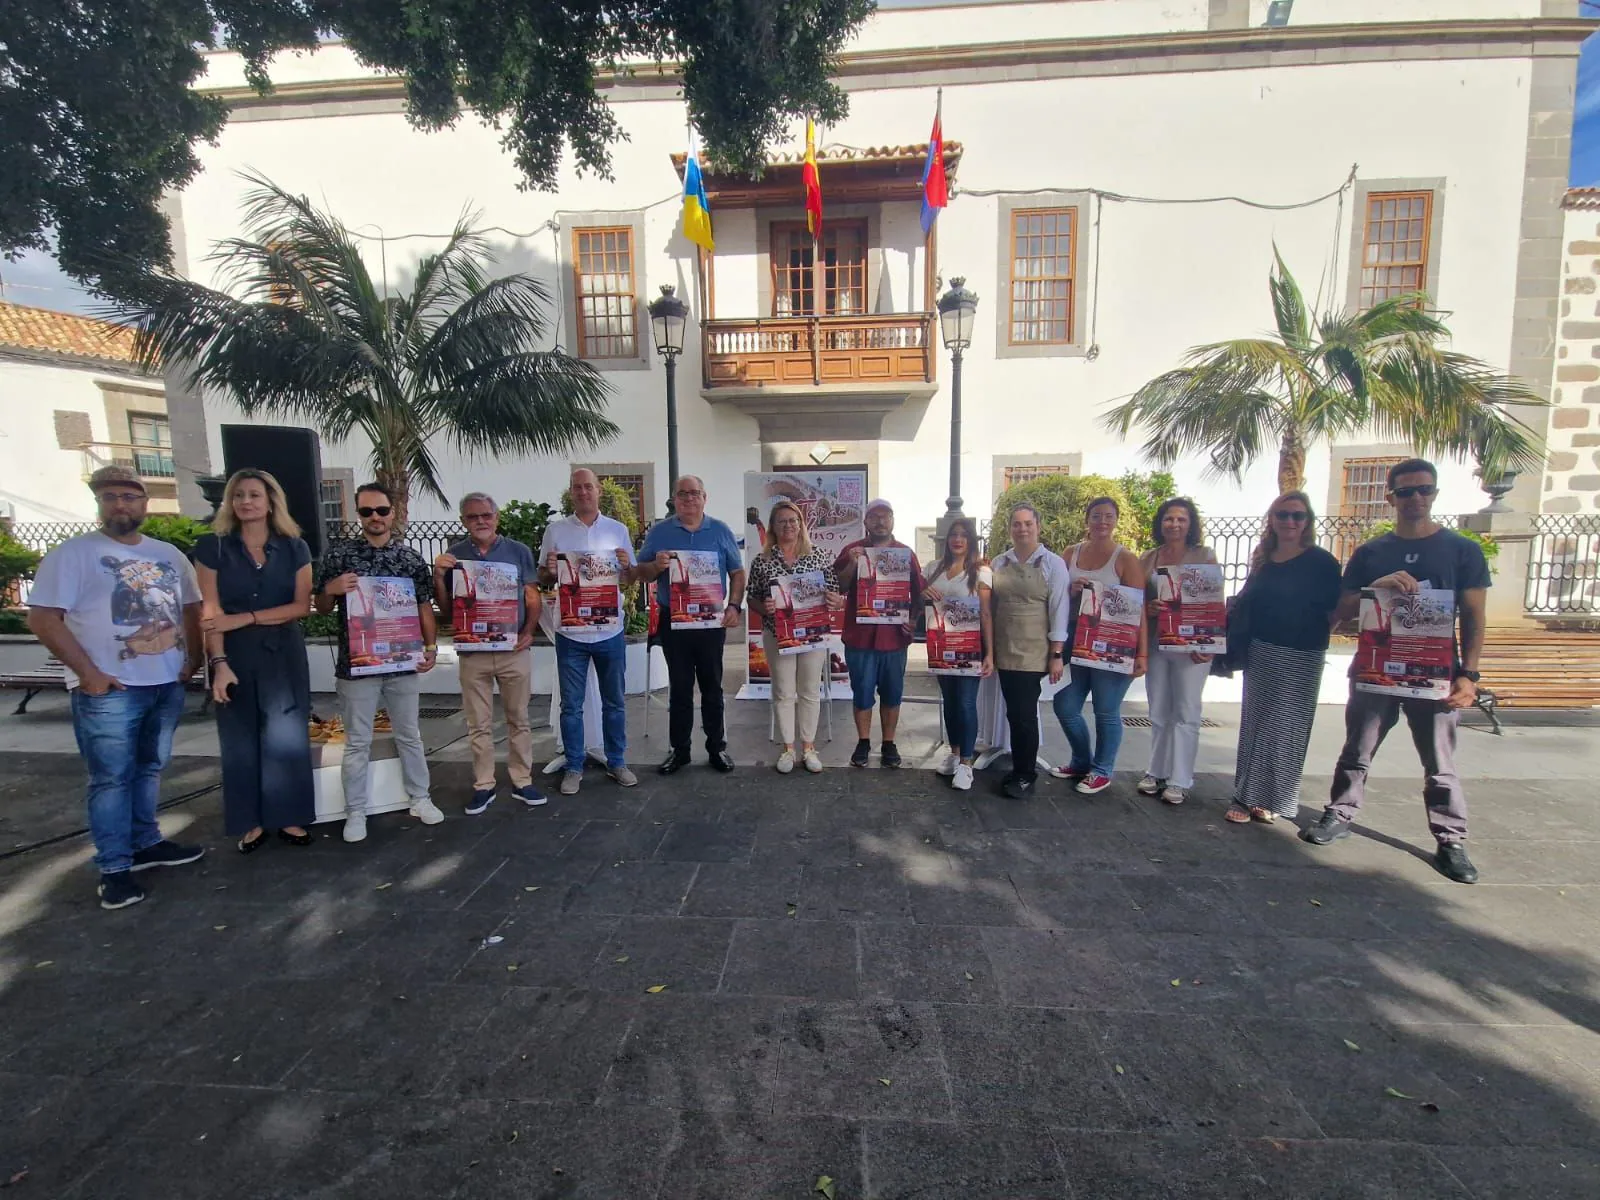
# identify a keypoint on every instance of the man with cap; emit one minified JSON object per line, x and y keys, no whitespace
{"x":122,"y":613}
{"x":875,"y":654}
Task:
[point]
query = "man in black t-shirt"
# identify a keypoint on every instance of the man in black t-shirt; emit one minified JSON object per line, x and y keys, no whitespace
{"x":1420,"y":553}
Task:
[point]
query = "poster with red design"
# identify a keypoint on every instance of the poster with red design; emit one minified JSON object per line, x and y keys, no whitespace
{"x":694,"y":589}
{"x":589,"y":590}
{"x":484,"y":608}
{"x":1194,"y":613}
{"x":800,"y":617}
{"x":883,"y":586}
{"x":1408,"y":643}
{"x":955,"y":635}
{"x":383,"y":628}
{"x":1107,"y":636}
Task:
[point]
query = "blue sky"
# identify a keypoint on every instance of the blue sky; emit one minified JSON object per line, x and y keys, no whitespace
{"x":1586,"y":113}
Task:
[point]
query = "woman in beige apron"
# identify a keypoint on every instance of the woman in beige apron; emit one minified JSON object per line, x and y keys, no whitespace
{"x":1029,"y":605}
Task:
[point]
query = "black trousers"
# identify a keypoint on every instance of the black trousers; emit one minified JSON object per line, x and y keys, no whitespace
{"x":694,"y":656}
{"x":265,"y":744}
{"x":1021,"y":690}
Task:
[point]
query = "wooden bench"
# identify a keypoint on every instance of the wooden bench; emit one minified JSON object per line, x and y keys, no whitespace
{"x":52,"y":677}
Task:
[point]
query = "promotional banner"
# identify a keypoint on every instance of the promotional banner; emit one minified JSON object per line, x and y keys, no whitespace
{"x":1107,"y":636}
{"x":385,"y":632}
{"x":834,"y":504}
{"x":1195,"y":615}
{"x":483,"y":606}
{"x":694,"y":589}
{"x":883,"y":586}
{"x":589,"y":590}
{"x":800,"y":615}
{"x":955,"y":635}
{"x":1407,"y":645}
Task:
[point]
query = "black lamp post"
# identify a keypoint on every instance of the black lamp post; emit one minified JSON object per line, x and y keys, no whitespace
{"x":957,"y":310}
{"x":669,"y":317}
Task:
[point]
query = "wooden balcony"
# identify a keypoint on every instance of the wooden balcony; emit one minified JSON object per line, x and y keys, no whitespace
{"x":856,"y":352}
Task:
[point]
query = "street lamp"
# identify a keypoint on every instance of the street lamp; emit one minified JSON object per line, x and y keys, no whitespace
{"x":958,"y":308}
{"x":669,"y":317}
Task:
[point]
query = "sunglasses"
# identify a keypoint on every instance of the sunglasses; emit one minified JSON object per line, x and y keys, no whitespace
{"x":1421,"y":489}
{"x":1295,"y":515}
{"x":381,"y":510}
{"x":121,"y":497}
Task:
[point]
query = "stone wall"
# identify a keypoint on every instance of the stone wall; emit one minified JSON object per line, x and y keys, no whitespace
{"x":1572,"y":471}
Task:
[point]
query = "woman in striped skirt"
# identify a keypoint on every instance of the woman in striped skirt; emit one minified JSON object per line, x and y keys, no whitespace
{"x":1289,"y":601}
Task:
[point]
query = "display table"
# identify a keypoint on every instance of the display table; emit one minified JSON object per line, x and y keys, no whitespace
{"x":386,"y":791}
{"x":994,"y":733}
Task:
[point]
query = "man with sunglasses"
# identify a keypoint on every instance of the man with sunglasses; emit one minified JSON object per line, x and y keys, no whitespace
{"x":510,"y":667}
{"x":378,"y":555}
{"x":1420,"y":553}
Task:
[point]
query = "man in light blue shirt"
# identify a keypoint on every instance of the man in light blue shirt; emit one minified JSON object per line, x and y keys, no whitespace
{"x":694,"y":655}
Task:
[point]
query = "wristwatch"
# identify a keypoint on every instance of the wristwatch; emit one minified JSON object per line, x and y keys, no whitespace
{"x":1463,"y":673}
{"x":738,"y":608}
{"x":1055,"y":654}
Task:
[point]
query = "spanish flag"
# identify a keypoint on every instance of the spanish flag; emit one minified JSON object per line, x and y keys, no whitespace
{"x":696,"y":208}
{"x":813,"y":183}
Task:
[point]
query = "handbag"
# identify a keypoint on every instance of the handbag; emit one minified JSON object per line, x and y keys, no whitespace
{"x":1233,"y":659}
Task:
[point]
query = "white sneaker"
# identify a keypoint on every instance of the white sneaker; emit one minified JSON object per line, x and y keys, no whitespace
{"x":963,"y":777}
{"x":1173,"y":795}
{"x":785,"y":762}
{"x":813,"y":763}
{"x":948,"y":765}
{"x":355,"y":827}
{"x":426,"y":811}
{"x":1149,"y":785}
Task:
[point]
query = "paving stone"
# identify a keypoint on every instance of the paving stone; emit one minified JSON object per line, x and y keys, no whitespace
{"x":1057,"y":968}
{"x":554,"y":954}
{"x":962,"y":896}
{"x":640,"y":888}
{"x":615,"y":841}
{"x":854,"y":892}
{"x":701,"y":1052}
{"x":570,"y":1151}
{"x":707,"y":841}
{"x":814,"y":960}
{"x":46,"y":1133}
{"x":1229,"y":975}
{"x":1312,"y":1170}
{"x":684,"y":954}
{"x":542,"y":1044}
{"x":874,"y":1059}
{"x":1071,"y":899}
{"x":909,"y":1161}
{"x":1159,"y":1167}
{"x":925,"y":962}
{"x":1192,"y":904}
{"x":718,"y":1155}
{"x":730,"y":890}
{"x":1495,"y":1171}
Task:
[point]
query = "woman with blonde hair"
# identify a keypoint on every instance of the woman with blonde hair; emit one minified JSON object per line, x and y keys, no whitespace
{"x":1285,"y":612}
{"x":786,"y":551}
{"x":255,"y":584}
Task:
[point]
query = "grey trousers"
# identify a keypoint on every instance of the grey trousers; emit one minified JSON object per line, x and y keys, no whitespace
{"x":1368,"y":718}
{"x":359,"y":701}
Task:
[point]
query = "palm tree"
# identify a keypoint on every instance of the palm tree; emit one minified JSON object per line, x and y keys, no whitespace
{"x":1383,"y":370}
{"x":304,"y":333}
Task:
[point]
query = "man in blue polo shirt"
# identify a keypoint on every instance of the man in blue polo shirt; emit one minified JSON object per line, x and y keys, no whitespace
{"x":694,"y":655}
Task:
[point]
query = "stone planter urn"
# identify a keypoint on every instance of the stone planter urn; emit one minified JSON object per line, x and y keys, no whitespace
{"x":1497,"y":488}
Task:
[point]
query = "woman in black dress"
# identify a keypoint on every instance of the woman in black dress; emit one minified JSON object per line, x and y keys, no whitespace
{"x":255,"y":581}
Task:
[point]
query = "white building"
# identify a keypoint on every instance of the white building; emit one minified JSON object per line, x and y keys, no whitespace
{"x":72,"y":401}
{"x":1084,"y":140}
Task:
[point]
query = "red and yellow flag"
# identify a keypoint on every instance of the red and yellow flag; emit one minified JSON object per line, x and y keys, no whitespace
{"x":813,"y":182}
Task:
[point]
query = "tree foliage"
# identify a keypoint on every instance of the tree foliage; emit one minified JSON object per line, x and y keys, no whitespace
{"x":614,"y":503}
{"x":99,"y":116}
{"x":182,"y":532}
{"x":1060,"y":501}
{"x":1385,"y":370}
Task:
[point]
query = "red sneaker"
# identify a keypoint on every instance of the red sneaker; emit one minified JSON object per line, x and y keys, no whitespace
{"x":1067,"y":772}
{"x":1094,"y":782}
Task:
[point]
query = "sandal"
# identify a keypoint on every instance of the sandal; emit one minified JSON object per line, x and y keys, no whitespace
{"x":1237,"y":814}
{"x":251,"y":845}
{"x":1265,"y":816}
{"x":295,"y":839}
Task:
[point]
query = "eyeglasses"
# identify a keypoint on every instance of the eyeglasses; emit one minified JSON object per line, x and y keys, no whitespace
{"x":121,"y":497}
{"x":1421,"y":489}
{"x":691,"y":495}
{"x":489,"y":516}
{"x":1295,"y":515}
{"x":381,"y":510}
{"x":788,"y":523}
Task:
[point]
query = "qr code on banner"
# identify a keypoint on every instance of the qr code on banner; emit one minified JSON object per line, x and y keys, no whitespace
{"x":850,"y":489}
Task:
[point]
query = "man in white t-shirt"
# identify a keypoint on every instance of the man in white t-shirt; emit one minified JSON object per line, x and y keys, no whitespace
{"x":122,"y":613}
{"x":584,"y":636}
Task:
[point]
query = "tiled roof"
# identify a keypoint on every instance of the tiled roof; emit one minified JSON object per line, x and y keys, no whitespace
{"x":1584,"y":198}
{"x":852,"y":154}
{"x":45,"y":331}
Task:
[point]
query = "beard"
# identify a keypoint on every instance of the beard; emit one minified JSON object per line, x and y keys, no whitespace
{"x":121,"y":526}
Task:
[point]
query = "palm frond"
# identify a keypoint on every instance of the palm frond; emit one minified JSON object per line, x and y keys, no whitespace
{"x":529,"y":402}
{"x":1289,"y":306}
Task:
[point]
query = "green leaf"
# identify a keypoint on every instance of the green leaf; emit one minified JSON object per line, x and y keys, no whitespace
{"x":885,"y":1082}
{"x":825,"y":1186}
{"x":1177,"y":983}
{"x":1316,"y":904}
{"x":1118,"y":1069}
{"x":1349,"y":1045}
{"x":1397,"y":1094}
{"x":656,"y":989}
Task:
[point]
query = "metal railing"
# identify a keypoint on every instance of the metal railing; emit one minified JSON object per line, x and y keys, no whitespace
{"x":1564,"y":565}
{"x":151,"y":462}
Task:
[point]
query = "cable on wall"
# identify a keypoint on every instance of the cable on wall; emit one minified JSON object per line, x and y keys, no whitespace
{"x":1127,"y":198}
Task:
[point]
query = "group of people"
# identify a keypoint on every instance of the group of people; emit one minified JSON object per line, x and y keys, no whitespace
{"x":132,"y":621}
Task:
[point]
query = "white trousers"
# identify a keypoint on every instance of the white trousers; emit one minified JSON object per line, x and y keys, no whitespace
{"x":1173,"y":686}
{"x":796,"y":691}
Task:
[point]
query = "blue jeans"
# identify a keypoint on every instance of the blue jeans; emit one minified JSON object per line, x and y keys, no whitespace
{"x":960,"y":694}
{"x":1107,"y":688}
{"x":125,"y":737}
{"x":572,"y":669}
{"x":880,"y":673}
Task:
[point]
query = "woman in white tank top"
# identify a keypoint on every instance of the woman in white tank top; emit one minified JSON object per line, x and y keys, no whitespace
{"x":1099,"y":558}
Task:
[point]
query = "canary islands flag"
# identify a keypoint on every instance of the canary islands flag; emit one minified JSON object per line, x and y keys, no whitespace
{"x":696,"y":208}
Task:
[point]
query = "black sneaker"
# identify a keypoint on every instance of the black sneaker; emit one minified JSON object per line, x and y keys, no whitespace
{"x":166,"y":854}
{"x":1453,"y":863}
{"x":1016,"y":787}
{"x":118,"y":890}
{"x":889,"y":754}
{"x":862,"y":752}
{"x":481,"y":799}
{"x":1329,"y":828}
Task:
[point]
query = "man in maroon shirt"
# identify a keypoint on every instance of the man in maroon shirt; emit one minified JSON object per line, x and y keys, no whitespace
{"x":876,"y":654}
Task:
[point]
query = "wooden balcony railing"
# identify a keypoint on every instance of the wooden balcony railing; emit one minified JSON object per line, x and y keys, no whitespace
{"x":793,"y":351}
{"x":151,"y":462}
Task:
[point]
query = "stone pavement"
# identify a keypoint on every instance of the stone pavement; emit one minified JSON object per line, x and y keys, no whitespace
{"x":863,"y":975}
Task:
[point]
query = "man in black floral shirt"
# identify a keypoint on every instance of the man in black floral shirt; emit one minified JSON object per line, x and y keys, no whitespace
{"x":372,"y":681}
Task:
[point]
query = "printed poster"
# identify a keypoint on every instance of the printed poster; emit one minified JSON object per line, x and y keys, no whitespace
{"x":383,"y":628}
{"x":589,"y":590}
{"x":1407,"y":645}
{"x":1107,"y":636}
{"x":883,"y":586}
{"x":1195,"y":616}
{"x":484,"y":606}
{"x":694,"y":589}
{"x":955,"y":635}
{"x":800,"y":615}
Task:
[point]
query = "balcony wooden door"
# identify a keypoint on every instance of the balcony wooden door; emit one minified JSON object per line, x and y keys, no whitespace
{"x":800,"y":289}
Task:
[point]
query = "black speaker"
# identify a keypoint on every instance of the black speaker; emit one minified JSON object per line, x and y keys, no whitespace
{"x":291,"y":456}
